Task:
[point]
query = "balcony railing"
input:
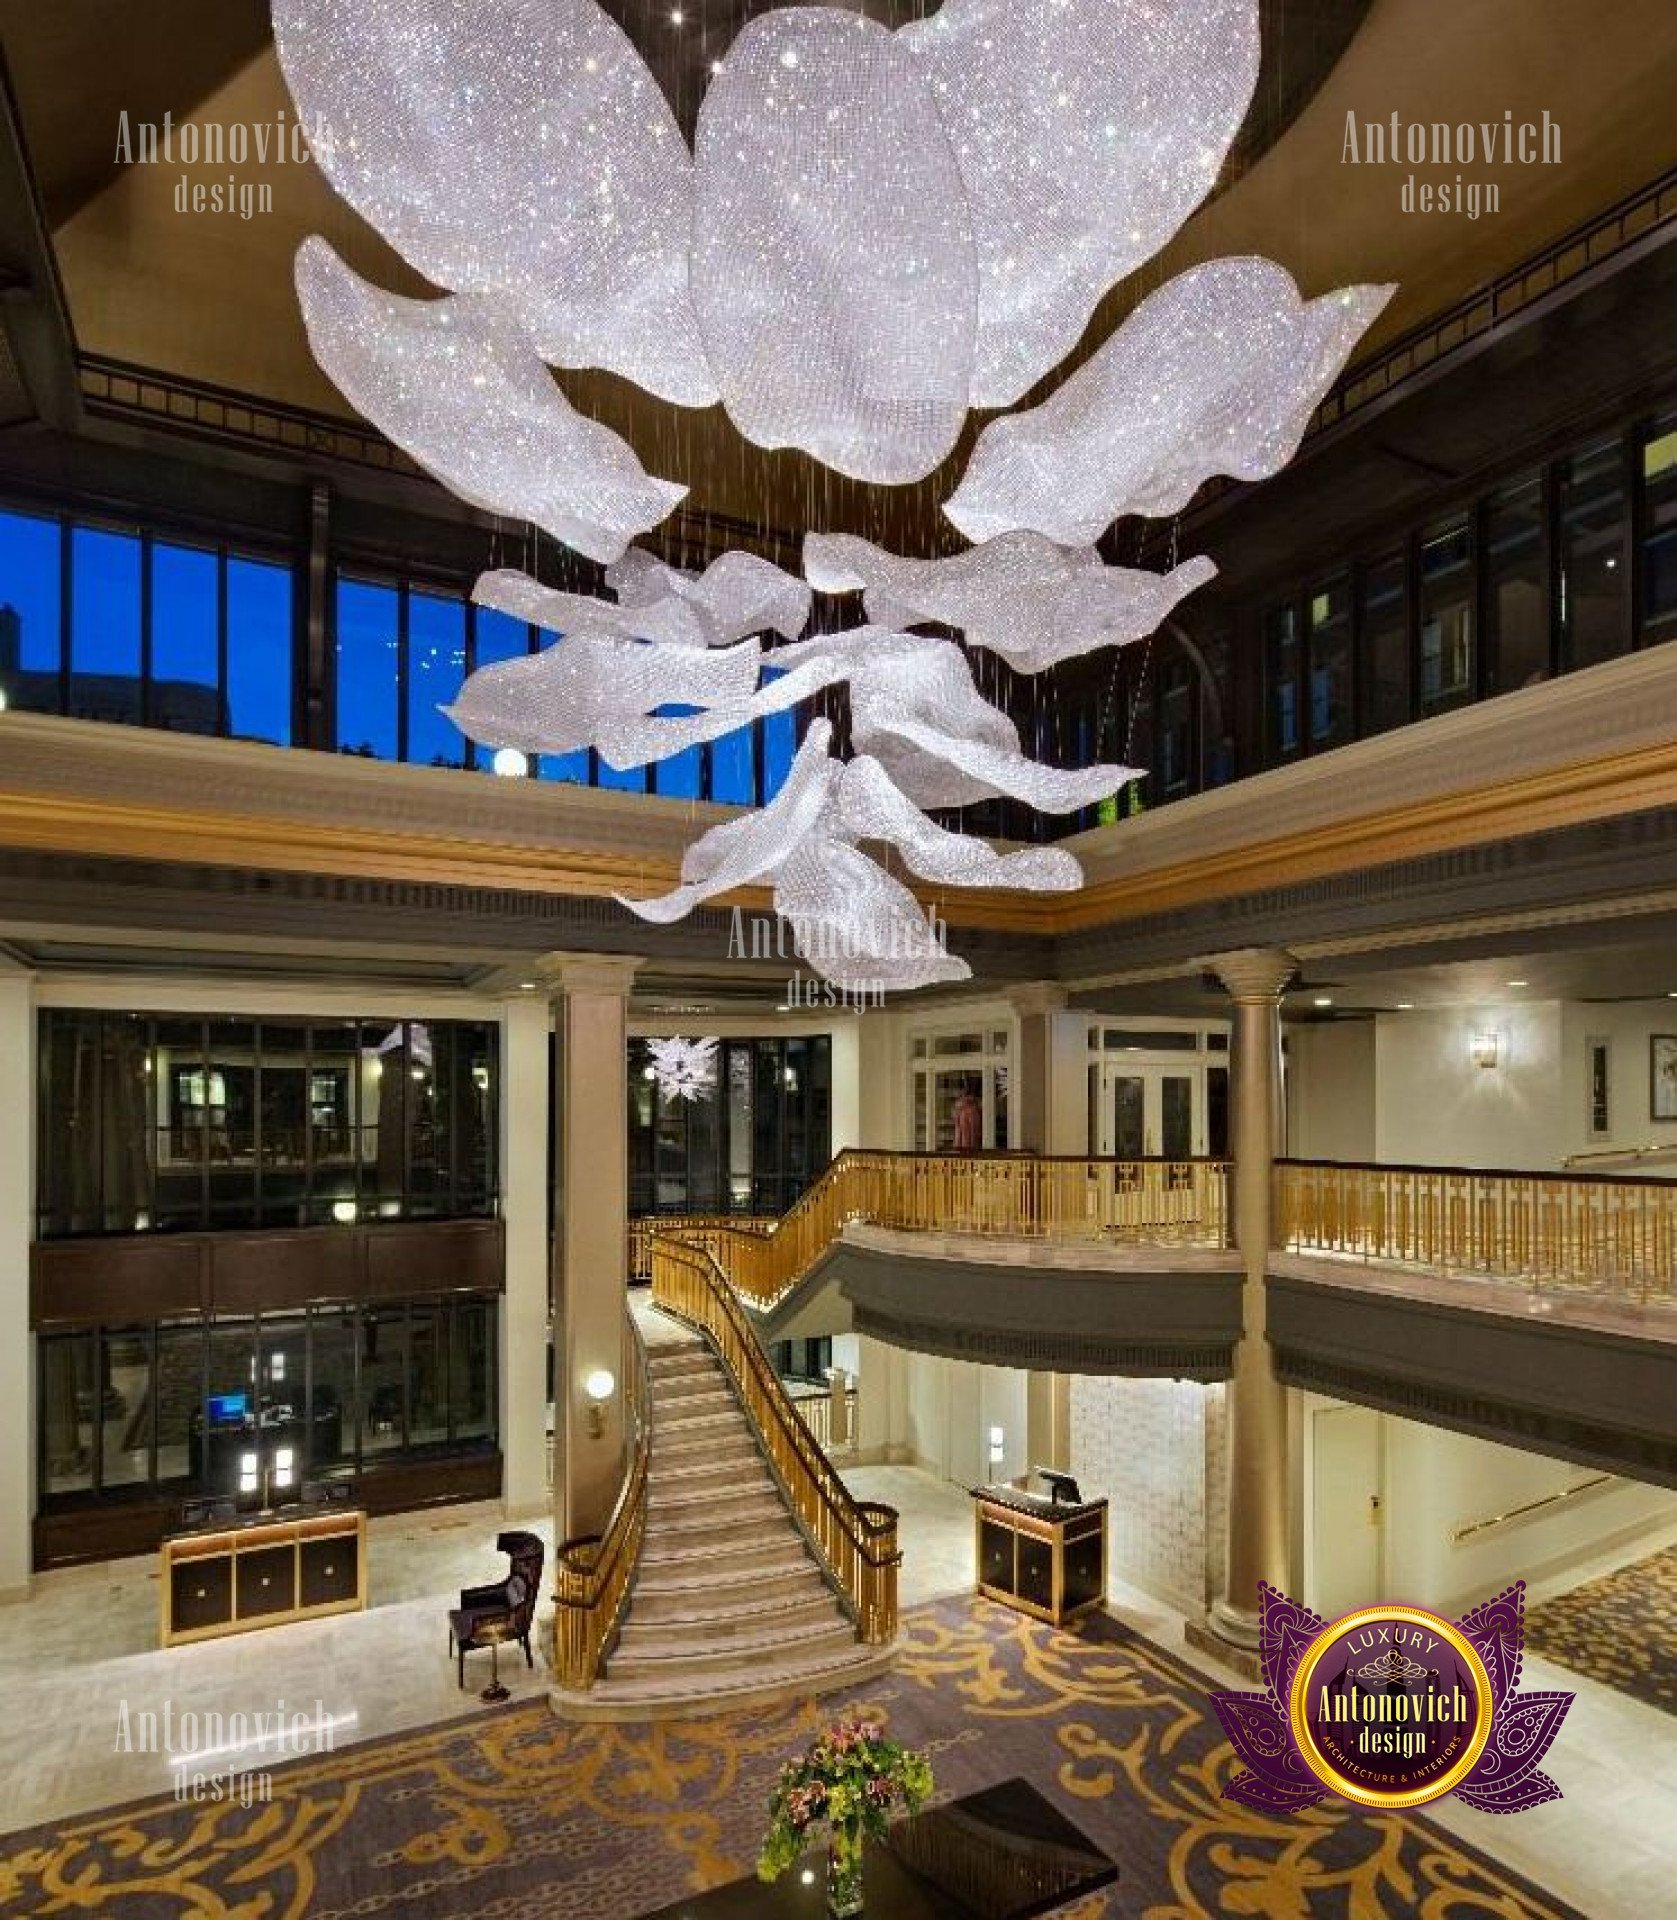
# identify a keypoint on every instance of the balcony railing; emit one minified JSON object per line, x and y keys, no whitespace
{"x":993,"y":1195}
{"x":1596,"y":1234}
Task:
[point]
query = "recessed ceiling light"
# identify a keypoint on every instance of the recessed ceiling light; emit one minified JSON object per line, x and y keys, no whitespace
{"x":1406,"y":1006}
{"x":526,"y":986}
{"x":1519,"y":983}
{"x":1322,"y":1000}
{"x":676,"y":16}
{"x":716,"y":66}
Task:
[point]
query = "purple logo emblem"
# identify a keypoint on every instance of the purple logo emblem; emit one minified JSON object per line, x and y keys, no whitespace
{"x":1392,"y":1706}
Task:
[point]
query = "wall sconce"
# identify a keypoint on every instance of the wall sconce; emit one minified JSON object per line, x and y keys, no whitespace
{"x":344,"y":1212}
{"x":998,"y":1443}
{"x":600,"y":1385}
{"x":1483,"y":1049}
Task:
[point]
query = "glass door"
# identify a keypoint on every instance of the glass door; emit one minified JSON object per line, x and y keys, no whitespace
{"x":1147,"y":1111}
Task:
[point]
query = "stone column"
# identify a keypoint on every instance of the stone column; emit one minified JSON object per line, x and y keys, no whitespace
{"x":590,"y":1253}
{"x":1031,"y":1102}
{"x":1259,"y":1485}
{"x":17,"y":1346}
{"x":526,"y":1027}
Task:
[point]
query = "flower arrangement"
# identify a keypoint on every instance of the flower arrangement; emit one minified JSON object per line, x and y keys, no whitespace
{"x":850,"y":1779}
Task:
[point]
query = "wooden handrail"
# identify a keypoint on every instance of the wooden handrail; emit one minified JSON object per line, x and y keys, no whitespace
{"x":856,"y":1540}
{"x":592,"y":1573}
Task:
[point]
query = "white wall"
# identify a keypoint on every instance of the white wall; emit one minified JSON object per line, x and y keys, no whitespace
{"x":1627,"y":1027}
{"x":1330,"y":1090}
{"x":1435,"y":1107}
{"x":1154,"y":1448}
{"x":937,"y":1414}
{"x":1432,"y":1482}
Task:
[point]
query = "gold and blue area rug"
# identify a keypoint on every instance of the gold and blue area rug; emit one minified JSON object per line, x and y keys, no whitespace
{"x":514,"y":1815}
{"x":1620,"y":1630}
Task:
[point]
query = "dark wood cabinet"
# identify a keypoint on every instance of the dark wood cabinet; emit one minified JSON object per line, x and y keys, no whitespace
{"x":1046,"y":1558}
{"x":261,"y":1572}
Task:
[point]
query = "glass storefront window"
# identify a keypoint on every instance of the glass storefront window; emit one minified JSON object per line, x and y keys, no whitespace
{"x":31,"y":612}
{"x":179,"y":1378}
{"x":1384,"y":648}
{"x":333,"y":1336}
{"x":1516,"y":595}
{"x":1447,"y":665}
{"x":68,"y":1411}
{"x":1659,"y":536}
{"x":105,"y":647}
{"x":436,"y":663}
{"x":1594,"y":525}
{"x":260,"y":655}
{"x":1281,"y":651}
{"x":184,"y":694}
{"x":1329,"y":609}
{"x":384,"y":1373}
{"x":368,"y":651}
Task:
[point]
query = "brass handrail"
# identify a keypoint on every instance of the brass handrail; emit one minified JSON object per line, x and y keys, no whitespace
{"x":856,"y":1540}
{"x":1002,"y":1195}
{"x":1600,"y":1232}
{"x":690,"y":1226}
{"x":1473,"y":1528}
{"x":591,"y":1573}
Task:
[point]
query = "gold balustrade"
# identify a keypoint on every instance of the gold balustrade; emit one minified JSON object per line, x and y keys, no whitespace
{"x":1000,"y":1195}
{"x":1597,"y":1232}
{"x":697,"y":1229}
{"x":856,"y":1540}
{"x":592,"y":1573}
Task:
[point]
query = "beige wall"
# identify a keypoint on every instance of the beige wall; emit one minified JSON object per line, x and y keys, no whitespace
{"x":1330,"y":1090}
{"x":17,"y":1344}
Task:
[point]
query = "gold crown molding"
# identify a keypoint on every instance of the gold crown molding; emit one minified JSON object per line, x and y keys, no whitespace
{"x":1572,"y":795}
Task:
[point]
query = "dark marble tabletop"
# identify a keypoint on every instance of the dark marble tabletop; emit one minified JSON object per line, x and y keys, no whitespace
{"x":1005,"y":1853}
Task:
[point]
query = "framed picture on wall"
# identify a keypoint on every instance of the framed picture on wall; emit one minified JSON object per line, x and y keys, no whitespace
{"x":1662,"y":1075}
{"x":1598,"y":1106}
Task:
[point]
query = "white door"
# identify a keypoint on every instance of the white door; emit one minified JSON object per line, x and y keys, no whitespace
{"x":1347,"y":1510}
{"x":1150,"y":1111}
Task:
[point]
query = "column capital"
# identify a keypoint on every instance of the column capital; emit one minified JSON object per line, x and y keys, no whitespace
{"x":1037,"y":996}
{"x":604,"y":973}
{"x":1254,"y":975}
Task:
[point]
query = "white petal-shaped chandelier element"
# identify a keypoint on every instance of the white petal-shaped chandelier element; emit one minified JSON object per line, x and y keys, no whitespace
{"x":1088,"y":131}
{"x":455,"y":384}
{"x":599,"y":689}
{"x":752,"y":847}
{"x":857,"y":925}
{"x":737,"y":594}
{"x":870,"y":807}
{"x":915,"y":707}
{"x":1019,"y":595}
{"x":1216,"y":372}
{"x":519,"y":148}
{"x":832,"y":269}
{"x":668,"y":621}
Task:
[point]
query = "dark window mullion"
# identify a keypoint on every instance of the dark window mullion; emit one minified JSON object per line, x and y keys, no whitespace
{"x":148,"y":705}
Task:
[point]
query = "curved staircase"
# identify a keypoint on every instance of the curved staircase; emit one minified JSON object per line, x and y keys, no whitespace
{"x":728,"y":1605}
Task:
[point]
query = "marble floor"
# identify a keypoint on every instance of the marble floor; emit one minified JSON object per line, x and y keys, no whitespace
{"x":82,"y":1648}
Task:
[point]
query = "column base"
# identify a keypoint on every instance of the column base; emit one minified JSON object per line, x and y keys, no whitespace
{"x":1204,"y":1637}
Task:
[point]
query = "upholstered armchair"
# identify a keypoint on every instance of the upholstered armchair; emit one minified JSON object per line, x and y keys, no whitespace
{"x":509,"y":1604}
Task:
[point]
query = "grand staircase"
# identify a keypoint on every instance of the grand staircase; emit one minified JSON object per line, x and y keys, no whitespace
{"x":728,"y":1607}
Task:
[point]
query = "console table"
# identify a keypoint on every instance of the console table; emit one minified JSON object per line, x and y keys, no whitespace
{"x":1045,"y":1557}
{"x":1006,"y":1853}
{"x":260,"y":1572}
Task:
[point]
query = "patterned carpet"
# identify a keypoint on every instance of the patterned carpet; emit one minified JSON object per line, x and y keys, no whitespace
{"x":1620,"y":1630}
{"x":512,"y":1815}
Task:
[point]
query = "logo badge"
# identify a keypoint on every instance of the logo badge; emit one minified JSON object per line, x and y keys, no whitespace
{"x":1392,"y":1706}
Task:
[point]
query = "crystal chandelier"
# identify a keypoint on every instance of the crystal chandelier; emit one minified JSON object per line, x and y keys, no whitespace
{"x":683,"y":1069}
{"x":874,"y":232}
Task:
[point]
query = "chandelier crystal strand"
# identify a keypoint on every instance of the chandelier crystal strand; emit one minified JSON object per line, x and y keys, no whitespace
{"x":456,"y":384}
{"x":1216,"y":372}
{"x":515,"y":148}
{"x":1087,"y":132}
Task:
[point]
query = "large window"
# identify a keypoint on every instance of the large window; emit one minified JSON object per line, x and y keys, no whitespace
{"x":1446,"y":617}
{"x":108,"y":623}
{"x":172,"y":1123}
{"x":1658,"y":461}
{"x":186,"y":1407}
{"x":1384,"y":614}
{"x":1594,"y":555}
{"x":1330,"y":664}
{"x":403,"y":651}
{"x":1516,"y":588}
{"x":751,"y":1141}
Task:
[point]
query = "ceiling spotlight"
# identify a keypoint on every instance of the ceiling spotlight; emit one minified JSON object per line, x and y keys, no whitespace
{"x":526,"y":986}
{"x":1322,"y":1000}
{"x":676,"y":16}
{"x":1518,"y":983}
{"x":1406,"y":1006}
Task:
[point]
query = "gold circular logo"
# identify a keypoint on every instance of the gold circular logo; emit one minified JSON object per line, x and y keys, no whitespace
{"x":1391,"y":1706}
